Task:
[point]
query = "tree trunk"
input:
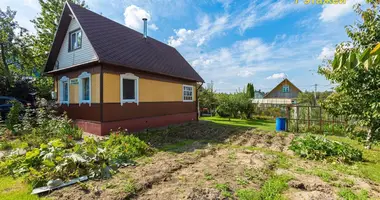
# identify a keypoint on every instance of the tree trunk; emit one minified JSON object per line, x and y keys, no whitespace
{"x":6,"y":67}
{"x":368,"y":139}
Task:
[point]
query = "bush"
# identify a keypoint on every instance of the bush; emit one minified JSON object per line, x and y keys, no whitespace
{"x":13,"y":117}
{"x":319,"y":147}
{"x":66,"y":160}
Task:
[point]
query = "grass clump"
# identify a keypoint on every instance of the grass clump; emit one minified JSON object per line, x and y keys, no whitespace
{"x":130,"y":187}
{"x":348,"y":194}
{"x":246,"y":194}
{"x":273,"y":187}
{"x":225,"y":189}
{"x":318,"y":148}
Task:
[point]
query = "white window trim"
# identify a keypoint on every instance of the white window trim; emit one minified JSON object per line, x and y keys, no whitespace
{"x":73,"y":48}
{"x":80,"y":77}
{"x":64,"y":79}
{"x":192,"y":93}
{"x":288,"y":89}
{"x":129,"y":76}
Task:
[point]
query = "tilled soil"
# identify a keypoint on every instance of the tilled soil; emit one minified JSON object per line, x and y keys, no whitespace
{"x":243,"y":159}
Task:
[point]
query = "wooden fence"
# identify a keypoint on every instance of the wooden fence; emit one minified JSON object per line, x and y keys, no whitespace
{"x":302,"y":119}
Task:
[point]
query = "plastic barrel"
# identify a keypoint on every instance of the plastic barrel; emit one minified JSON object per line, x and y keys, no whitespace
{"x":280,"y":124}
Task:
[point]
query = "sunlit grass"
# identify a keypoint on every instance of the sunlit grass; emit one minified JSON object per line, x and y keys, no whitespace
{"x":11,"y":189}
{"x":266,"y":125}
{"x":367,"y":169}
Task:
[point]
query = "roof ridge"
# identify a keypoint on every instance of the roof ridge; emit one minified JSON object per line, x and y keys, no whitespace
{"x":130,"y":29}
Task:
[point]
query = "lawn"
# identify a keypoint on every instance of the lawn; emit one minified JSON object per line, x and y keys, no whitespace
{"x":367,"y":169}
{"x":266,"y":125}
{"x":11,"y":188}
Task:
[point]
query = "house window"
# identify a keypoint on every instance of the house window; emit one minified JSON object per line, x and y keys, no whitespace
{"x":187,"y":93}
{"x":285,"y":89}
{"x":129,"y":87}
{"x":64,"y":89}
{"x":75,"y":40}
{"x":85,"y":88}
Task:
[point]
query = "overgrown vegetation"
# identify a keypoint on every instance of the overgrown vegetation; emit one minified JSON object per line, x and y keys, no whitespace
{"x":66,"y":160}
{"x":46,"y":146}
{"x":319,"y":148}
{"x":355,"y":69}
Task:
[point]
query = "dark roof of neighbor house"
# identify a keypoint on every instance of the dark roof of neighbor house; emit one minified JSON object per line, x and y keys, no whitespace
{"x":119,"y":45}
{"x":285,"y":79}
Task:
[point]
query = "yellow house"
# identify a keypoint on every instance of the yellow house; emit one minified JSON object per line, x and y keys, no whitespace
{"x":108,"y":76}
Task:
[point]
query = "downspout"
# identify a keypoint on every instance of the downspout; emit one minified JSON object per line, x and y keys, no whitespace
{"x":197,"y":102}
{"x":101,"y":92}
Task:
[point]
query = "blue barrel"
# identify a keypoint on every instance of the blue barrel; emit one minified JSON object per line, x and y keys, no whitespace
{"x":280,"y":124}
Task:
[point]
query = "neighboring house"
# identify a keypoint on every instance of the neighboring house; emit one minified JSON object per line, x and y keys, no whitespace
{"x":108,"y":76}
{"x":284,"y":93}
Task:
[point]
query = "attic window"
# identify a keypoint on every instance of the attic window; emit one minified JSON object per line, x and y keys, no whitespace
{"x":285,"y":89}
{"x":75,"y":40}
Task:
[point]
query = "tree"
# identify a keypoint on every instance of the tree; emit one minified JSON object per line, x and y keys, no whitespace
{"x":46,"y":25}
{"x":16,"y":50}
{"x":207,"y":99}
{"x":250,"y":90}
{"x":356,"y":68}
{"x":307,"y":98}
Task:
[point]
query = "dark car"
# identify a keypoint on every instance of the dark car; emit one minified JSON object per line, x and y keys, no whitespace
{"x":6,"y":105}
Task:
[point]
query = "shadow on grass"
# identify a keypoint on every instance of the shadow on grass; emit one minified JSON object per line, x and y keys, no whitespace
{"x":189,"y":137}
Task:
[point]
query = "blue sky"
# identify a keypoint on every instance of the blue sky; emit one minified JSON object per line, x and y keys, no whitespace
{"x":233,"y":42}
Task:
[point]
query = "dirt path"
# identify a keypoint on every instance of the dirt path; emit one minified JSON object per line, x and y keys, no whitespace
{"x":242,"y":161}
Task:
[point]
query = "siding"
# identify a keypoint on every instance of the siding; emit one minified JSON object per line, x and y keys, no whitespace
{"x":149,"y":90}
{"x":277,"y":92}
{"x":83,"y":55}
{"x":74,"y":88}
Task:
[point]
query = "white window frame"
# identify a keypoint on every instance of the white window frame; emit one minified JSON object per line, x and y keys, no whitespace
{"x":129,"y":76}
{"x":76,"y":33}
{"x":80,"y":80}
{"x":61,"y":81}
{"x":183,"y":93}
{"x":285,"y":86}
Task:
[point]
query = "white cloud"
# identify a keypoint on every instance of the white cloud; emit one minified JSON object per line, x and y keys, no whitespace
{"x":225,"y":3}
{"x":181,"y":35}
{"x":332,"y":12}
{"x":26,"y":11}
{"x":277,"y":76}
{"x":153,"y":27}
{"x":327,"y":53}
{"x":206,"y":30}
{"x":133,"y":16}
{"x":245,"y":73}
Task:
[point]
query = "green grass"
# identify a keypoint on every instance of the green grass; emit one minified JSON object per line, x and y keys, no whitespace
{"x":367,"y":169}
{"x":348,"y":194}
{"x":266,"y":125}
{"x":11,"y":189}
{"x":271,"y":190}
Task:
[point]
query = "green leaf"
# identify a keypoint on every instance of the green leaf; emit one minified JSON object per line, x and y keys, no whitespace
{"x":365,"y":55}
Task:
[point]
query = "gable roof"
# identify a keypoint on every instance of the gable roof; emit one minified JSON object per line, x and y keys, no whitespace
{"x":119,"y":45}
{"x":285,"y":79}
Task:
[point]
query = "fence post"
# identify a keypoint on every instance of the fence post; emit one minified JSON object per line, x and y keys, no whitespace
{"x":308,"y":118}
{"x":297,"y":112}
{"x":320,"y":119}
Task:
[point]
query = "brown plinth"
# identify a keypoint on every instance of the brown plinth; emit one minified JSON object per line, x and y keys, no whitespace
{"x":132,"y":125}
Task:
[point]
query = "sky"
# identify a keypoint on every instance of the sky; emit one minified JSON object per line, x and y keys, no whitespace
{"x":232,"y":43}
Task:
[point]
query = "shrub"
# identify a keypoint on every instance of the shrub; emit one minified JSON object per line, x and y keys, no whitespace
{"x":13,"y":117}
{"x":66,"y":159}
{"x":319,"y":147}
